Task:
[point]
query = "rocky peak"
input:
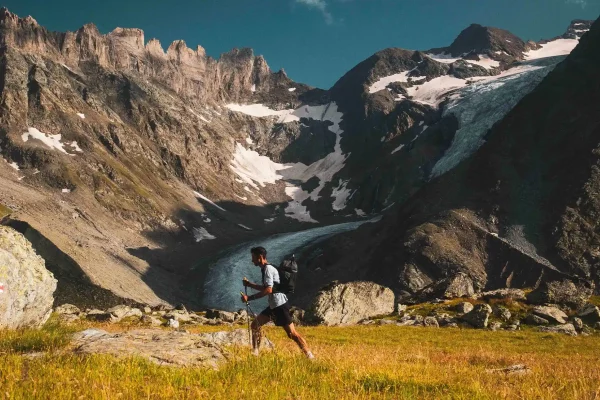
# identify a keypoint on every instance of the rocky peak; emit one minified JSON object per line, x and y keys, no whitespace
{"x":577,"y":28}
{"x":480,"y":39}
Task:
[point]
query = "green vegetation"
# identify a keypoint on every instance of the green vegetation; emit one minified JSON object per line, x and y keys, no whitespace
{"x":353,"y":363}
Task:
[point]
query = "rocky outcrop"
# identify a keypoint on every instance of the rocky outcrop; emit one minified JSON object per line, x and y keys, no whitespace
{"x":479,"y":316}
{"x":564,"y":292}
{"x":172,"y":348}
{"x":567,"y":329}
{"x":26,"y":286}
{"x":349,"y":303}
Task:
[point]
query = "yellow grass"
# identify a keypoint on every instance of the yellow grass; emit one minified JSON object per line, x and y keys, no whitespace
{"x":353,"y":363}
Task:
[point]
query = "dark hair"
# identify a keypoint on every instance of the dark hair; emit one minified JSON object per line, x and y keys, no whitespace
{"x":259,"y":251}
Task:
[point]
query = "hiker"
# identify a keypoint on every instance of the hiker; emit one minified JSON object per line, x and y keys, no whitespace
{"x":278,"y":310}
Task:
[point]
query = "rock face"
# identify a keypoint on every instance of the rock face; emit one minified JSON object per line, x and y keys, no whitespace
{"x":589,"y":313}
{"x":478,"y":317}
{"x":349,"y":303}
{"x":26,"y":286}
{"x":561,"y":292}
{"x":162,"y":347}
{"x":464,"y":307}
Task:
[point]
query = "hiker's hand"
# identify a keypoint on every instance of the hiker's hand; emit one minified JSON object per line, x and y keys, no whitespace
{"x":245,"y":282}
{"x":244,"y":298}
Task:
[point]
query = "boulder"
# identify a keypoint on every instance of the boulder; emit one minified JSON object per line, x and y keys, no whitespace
{"x":147,"y":310}
{"x":431,"y":322}
{"x":68,"y":318}
{"x":513,"y":327}
{"x":297,"y":315}
{"x":533,"y":319}
{"x":445,"y":319}
{"x":505,"y":294}
{"x":226,"y":316}
{"x":67,"y":309}
{"x":502,"y":312}
{"x":459,"y":285}
{"x":478,"y":317}
{"x":349,"y":303}
{"x":122,"y":311}
{"x":26,"y":286}
{"x":578,"y":324}
{"x":419,"y":320}
{"x":173,"y":323}
{"x":464,"y":307}
{"x":180,"y":316}
{"x":150,"y":320}
{"x":241,"y":315}
{"x":386,"y":322}
{"x":401,"y":309}
{"x":100,"y":316}
{"x":567,"y":329}
{"x":589,"y":313}
{"x":495,"y":326}
{"x":551,"y":313}
{"x":561,"y":292}
{"x":163,"y":347}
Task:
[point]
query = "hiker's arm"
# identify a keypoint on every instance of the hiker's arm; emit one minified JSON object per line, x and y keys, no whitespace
{"x":254,"y":286}
{"x":264,"y":291}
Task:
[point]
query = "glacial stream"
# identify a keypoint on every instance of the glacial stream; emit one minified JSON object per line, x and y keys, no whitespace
{"x":224,"y":280}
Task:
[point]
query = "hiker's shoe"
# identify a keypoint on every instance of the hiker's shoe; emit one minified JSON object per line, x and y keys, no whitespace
{"x":310,"y":355}
{"x":255,"y":352}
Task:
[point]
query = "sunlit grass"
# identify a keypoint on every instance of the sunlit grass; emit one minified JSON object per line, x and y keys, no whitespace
{"x":353,"y":362}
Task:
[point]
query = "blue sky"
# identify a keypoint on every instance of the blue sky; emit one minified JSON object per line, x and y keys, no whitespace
{"x":316,"y":41}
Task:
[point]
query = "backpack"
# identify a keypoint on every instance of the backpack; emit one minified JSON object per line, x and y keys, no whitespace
{"x":288,"y":269}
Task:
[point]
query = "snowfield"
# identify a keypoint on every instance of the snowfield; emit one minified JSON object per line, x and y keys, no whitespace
{"x":559,"y":47}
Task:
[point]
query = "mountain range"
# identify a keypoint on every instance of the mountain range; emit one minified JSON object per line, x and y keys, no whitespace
{"x":129,"y":167}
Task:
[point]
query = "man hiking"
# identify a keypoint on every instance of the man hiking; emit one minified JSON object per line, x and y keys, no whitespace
{"x":278,"y":310}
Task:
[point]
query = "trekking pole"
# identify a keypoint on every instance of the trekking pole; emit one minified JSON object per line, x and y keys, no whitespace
{"x":248,"y":317}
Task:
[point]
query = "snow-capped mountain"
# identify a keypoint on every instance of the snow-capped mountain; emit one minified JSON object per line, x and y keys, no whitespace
{"x":135,"y":162}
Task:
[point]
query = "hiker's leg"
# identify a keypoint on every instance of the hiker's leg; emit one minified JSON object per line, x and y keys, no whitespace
{"x":296,"y":337}
{"x":258,"y":322}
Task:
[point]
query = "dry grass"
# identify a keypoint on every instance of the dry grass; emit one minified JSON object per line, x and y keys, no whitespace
{"x":353,"y":363}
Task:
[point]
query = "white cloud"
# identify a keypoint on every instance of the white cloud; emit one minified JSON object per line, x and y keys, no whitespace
{"x":320,"y":5}
{"x":582,"y":3}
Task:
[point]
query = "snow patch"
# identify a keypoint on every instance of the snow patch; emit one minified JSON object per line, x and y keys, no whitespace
{"x":52,"y":141}
{"x":292,"y":89}
{"x":485,"y":62}
{"x":75,"y":146}
{"x":360,"y":212}
{"x":559,"y":47}
{"x":244,"y":227}
{"x":443,"y":58}
{"x":208,"y":201}
{"x":258,"y":110}
{"x":383,"y":82}
{"x":249,"y":141}
{"x":340,"y":195}
{"x":269,"y":220}
{"x":397,"y":149}
{"x":432,"y":92}
{"x":14,"y":165}
{"x":82,"y":116}
{"x":201,"y":234}
{"x":241,"y":198}
{"x":253,"y":88}
{"x":66,"y":190}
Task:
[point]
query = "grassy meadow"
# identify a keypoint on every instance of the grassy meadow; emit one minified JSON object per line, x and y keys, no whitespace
{"x":358,"y":362}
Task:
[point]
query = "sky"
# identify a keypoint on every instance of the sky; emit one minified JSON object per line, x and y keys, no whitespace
{"x":315,"y":41}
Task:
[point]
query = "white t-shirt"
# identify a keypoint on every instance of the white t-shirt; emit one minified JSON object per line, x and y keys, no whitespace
{"x":271,"y":277}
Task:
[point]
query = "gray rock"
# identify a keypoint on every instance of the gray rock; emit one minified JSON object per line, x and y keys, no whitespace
{"x":67,"y":309}
{"x":418,"y":319}
{"x":506,"y":293}
{"x":502,"y":312}
{"x":242,"y":316}
{"x":401,"y":309}
{"x":533,"y":319}
{"x":122,"y":311}
{"x":495,"y":326}
{"x":578,"y":324}
{"x":163,"y":347}
{"x":367,"y":322}
{"x":26,"y":286}
{"x":298,"y":315}
{"x":100,"y":316}
{"x":431,"y":322}
{"x":406,"y":317}
{"x":451,"y":325}
{"x":223,"y":315}
{"x":552,"y":314}
{"x":147,"y":310}
{"x":173,"y":323}
{"x":561,"y":292}
{"x":445,"y":319}
{"x":464,"y":307}
{"x":567,"y":329}
{"x":589,"y":313}
{"x":459,"y":285}
{"x":150,"y":320}
{"x":512,"y":327}
{"x":349,"y":303}
{"x":386,"y":322}
{"x":478,"y":317}
{"x":409,"y":322}
{"x":181,"y":316}
{"x":68,"y":318}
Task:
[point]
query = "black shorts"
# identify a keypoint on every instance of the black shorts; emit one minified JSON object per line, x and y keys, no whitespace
{"x":279,"y":315}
